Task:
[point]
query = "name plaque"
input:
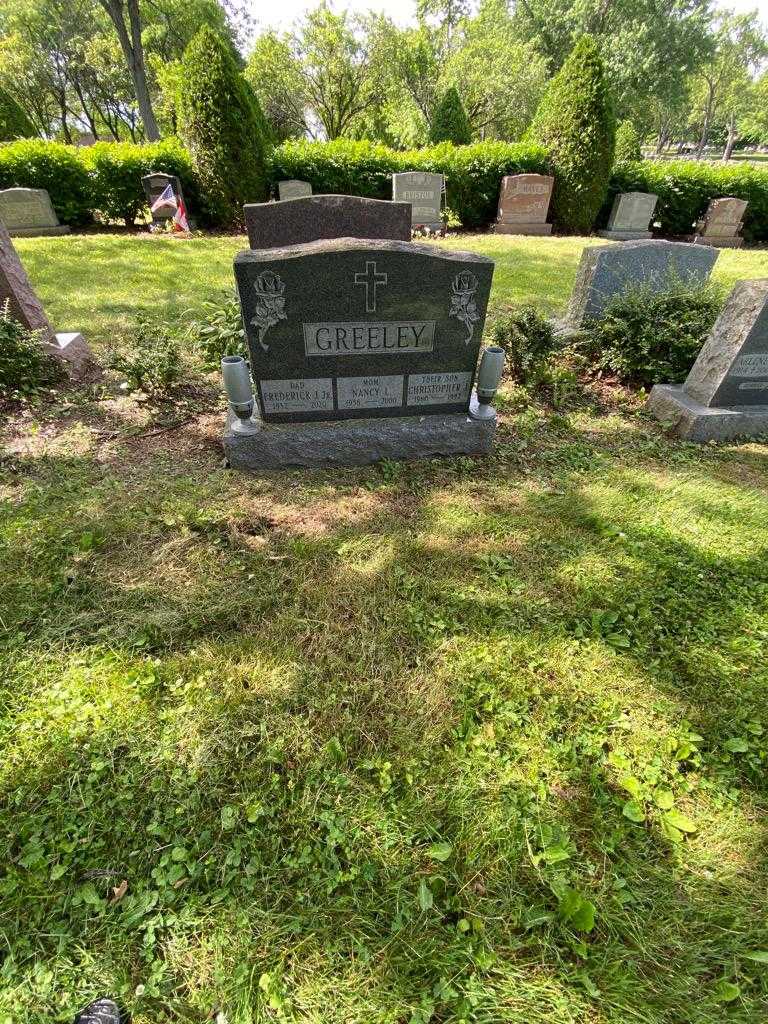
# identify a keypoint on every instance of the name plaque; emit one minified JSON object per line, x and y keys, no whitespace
{"x":436,"y":388}
{"x":350,"y":339}
{"x":313,"y":394}
{"x":751,"y":364}
{"x":383,"y":392}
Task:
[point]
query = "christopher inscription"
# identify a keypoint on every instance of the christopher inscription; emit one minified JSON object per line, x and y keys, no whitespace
{"x":346,"y":328}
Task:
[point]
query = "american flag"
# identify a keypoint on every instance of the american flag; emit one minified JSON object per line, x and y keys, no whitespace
{"x":168,"y":198}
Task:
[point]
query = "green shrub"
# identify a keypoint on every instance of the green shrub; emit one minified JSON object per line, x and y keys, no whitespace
{"x":60,"y":169}
{"x":450,"y":122}
{"x":25,"y":366}
{"x":528,"y":338}
{"x":116,"y":170}
{"x":473,"y":173}
{"x":220,"y":330}
{"x":218,"y":124}
{"x":153,"y":363}
{"x":627,"y":144}
{"x":648,"y":337}
{"x":576,"y":123}
{"x":685,"y":187}
{"x":14,"y":123}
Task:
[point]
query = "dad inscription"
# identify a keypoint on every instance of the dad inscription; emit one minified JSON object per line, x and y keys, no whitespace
{"x":424,"y":191}
{"x":726,"y":393}
{"x":27,"y":212}
{"x":344,"y":328}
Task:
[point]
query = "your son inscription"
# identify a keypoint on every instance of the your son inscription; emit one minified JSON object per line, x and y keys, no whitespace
{"x":349,"y":328}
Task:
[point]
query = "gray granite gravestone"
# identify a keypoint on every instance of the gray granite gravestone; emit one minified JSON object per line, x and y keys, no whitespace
{"x":722,"y":223}
{"x":726,"y":393}
{"x":606,"y":270}
{"x":27,"y":212}
{"x":630,"y":216}
{"x":155,"y":184}
{"x":380,"y":336}
{"x":523,"y":205}
{"x":293,"y":221}
{"x":24,"y":306}
{"x":292,"y":188}
{"x":423,"y":190}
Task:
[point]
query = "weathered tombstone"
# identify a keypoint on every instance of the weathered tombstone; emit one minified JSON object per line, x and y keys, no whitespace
{"x":293,"y":221}
{"x":380,"y":337}
{"x":155,"y":185}
{"x":424,"y":191}
{"x":28,"y":212}
{"x":630,"y":216}
{"x":523,"y":205}
{"x":606,"y":270}
{"x":24,"y":306}
{"x":293,"y":189}
{"x":721,"y":223}
{"x":726,"y":393}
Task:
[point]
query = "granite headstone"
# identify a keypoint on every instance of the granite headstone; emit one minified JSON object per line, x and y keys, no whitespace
{"x":606,"y":270}
{"x":630,"y":216}
{"x":155,"y":184}
{"x":292,"y":188}
{"x":423,"y":190}
{"x":523,"y":205}
{"x":27,"y":212}
{"x":722,"y":223}
{"x":726,"y":393}
{"x":23,"y":304}
{"x":294,"y":221}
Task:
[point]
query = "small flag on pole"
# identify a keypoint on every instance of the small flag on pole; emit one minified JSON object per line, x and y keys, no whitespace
{"x":165,"y":199}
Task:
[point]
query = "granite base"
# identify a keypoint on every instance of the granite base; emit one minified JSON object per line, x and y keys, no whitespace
{"x":356,"y":442}
{"x":720,"y":241}
{"x":624,"y":236}
{"x":60,"y":229}
{"x":501,"y":228}
{"x":74,"y":350}
{"x":693,"y":421}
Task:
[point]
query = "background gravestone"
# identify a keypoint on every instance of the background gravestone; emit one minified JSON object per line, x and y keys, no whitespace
{"x":155,"y":184}
{"x":630,"y":216}
{"x":721,"y":223}
{"x":292,"y":188}
{"x":424,"y":192}
{"x":726,"y":393}
{"x":381,"y":335}
{"x":294,"y":221}
{"x":606,"y":270}
{"x":27,"y":212}
{"x":523,"y":205}
{"x":24,"y":306}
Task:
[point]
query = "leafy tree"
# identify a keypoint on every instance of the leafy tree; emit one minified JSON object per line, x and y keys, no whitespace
{"x":627,"y":143}
{"x":218,"y":124}
{"x":14,"y":123}
{"x":126,"y":18}
{"x":576,"y":122}
{"x":276,"y":77}
{"x":449,"y":121}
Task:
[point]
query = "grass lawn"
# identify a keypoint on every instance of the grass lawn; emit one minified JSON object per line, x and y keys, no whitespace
{"x":459,"y":741}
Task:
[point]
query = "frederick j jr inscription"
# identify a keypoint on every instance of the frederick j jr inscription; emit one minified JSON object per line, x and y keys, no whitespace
{"x":347,"y":328}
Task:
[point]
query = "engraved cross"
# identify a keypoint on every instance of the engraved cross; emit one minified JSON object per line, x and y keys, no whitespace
{"x":371,"y":279}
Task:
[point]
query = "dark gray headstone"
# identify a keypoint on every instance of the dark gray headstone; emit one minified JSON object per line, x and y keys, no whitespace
{"x":726,"y":393}
{"x":312,"y":218}
{"x":27,"y":212}
{"x":607,"y":270}
{"x":154,"y":186}
{"x":349,"y":328}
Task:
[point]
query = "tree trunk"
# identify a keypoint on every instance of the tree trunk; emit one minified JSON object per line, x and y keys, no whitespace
{"x":706,"y":122}
{"x":133,"y":51}
{"x":732,"y":136}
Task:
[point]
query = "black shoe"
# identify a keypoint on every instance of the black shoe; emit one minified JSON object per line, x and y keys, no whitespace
{"x":100,"y":1011}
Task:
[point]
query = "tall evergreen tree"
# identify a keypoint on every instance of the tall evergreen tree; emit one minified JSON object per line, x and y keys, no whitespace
{"x":219,"y":124}
{"x":14,"y":123}
{"x":449,"y":121}
{"x":577,"y":124}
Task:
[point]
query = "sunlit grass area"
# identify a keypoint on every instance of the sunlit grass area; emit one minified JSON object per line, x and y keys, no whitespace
{"x":456,"y":741}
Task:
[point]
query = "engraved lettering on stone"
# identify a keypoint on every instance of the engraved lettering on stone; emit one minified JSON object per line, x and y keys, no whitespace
{"x":312,"y":394}
{"x":383,"y":392}
{"x":368,"y":338}
{"x":270,"y":304}
{"x":438,"y":388}
{"x":751,"y":364}
{"x":463,"y":305}
{"x":370,"y":280}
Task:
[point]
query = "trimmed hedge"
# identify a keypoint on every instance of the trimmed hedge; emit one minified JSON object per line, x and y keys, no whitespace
{"x":685,"y":187}
{"x":60,"y":169}
{"x":473,"y":173}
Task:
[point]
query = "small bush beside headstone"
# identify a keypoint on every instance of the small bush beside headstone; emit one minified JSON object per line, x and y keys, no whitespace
{"x":153,"y":363}
{"x":25,"y":366}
